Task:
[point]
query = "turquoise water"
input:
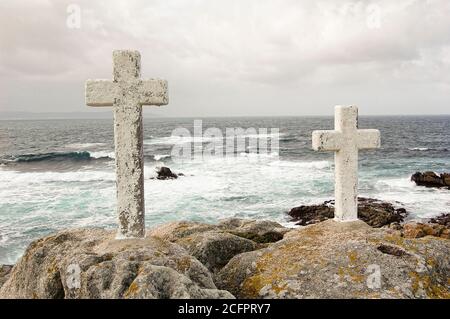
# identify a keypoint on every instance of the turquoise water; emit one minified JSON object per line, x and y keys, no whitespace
{"x":57,"y":174}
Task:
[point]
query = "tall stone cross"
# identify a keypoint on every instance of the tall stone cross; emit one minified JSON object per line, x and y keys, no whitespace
{"x":345,"y":141}
{"x":127,"y":93}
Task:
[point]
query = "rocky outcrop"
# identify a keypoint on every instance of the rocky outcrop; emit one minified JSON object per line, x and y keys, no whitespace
{"x":166,"y":173}
{"x":341,"y":260}
{"x":90,"y":263}
{"x":5,"y":270}
{"x":431,"y":179}
{"x":374,"y":212}
{"x":243,"y":258}
{"x":215,"y":245}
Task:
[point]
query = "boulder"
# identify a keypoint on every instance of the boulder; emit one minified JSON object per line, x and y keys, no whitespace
{"x":5,"y":270}
{"x":341,"y":260}
{"x":91,"y":263}
{"x":260,"y":231}
{"x":375,"y":213}
{"x":215,"y":249}
{"x":215,"y":245}
{"x":165,"y":173}
{"x":431,"y":179}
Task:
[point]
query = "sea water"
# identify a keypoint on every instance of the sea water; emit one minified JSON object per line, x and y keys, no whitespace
{"x":57,"y":174}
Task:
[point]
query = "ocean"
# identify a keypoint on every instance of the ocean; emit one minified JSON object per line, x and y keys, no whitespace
{"x":57,"y":174}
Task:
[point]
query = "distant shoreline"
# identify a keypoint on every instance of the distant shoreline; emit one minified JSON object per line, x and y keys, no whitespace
{"x":108,"y":116}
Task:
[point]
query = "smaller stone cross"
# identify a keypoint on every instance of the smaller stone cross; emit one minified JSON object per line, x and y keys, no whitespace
{"x":345,"y":141}
{"x":127,"y":93}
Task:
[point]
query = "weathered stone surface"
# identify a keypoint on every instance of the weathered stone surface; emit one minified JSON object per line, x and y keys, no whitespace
{"x":339,"y":260}
{"x":5,"y":270}
{"x":165,"y":173}
{"x":214,"y":249}
{"x":175,"y":230}
{"x":346,"y":140}
{"x":431,"y":179}
{"x":374,"y":212}
{"x":127,"y":93}
{"x":108,"y":268}
{"x":215,"y":245}
{"x":259,"y":231}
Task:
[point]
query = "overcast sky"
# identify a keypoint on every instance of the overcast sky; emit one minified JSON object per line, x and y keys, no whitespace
{"x":233,"y":57}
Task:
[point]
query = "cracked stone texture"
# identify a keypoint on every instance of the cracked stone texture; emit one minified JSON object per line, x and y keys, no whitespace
{"x":109,"y":268}
{"x":215,"y":245}
{"x":345,"y":141}
{"x":335,"y":260}
{"x":127,"y":93}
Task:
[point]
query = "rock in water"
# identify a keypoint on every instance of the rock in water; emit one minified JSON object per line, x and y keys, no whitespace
{"x":90,"y":263}
{"x":341,"y":260}
{"x":166,"y":173}
{"x":374,"y":212}
{"x":431,"y":179}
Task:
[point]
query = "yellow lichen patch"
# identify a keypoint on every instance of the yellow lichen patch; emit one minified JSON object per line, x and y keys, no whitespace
{"x":352,"y":273}
{"x":272,"y":267}
{"x":353,"y":257}
{"x":53,"y":268}
{"x":431,"y":262}
{"x":394,"y":239}
{"x":431,"y":288}
{"x":184,"y":263}
{"x":132,"y":289}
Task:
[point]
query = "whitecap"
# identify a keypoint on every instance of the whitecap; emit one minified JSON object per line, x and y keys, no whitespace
{"x":159,"y":157}
{"x":102,"y":154}
{"x":84,"y":145}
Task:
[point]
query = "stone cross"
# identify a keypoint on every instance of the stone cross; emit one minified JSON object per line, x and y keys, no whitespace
{"x":345,"y":141}
{"x":127,"y":93}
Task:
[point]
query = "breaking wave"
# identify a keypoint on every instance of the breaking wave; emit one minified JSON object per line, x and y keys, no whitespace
{"x":56,"y":156}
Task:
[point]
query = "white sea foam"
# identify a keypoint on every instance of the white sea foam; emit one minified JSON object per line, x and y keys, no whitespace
{"x":178,"y":140}
{"x":210,"y":190}
{"x":83,"y":146}
{"x":423,"y":202}
{"x":25,"y":178}
{"x":418,"y":149}
{"x":102,"y":154}
{"x":159,"y":157}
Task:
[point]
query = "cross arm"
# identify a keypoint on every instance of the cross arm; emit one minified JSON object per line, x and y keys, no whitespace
{"x":100,"y":92}
{"x":368,"y":139}
{"x":153,"y":92}
{"x":326,"y":140}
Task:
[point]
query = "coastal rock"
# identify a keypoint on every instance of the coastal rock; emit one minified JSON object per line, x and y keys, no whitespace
{"x":5,"y":270}
{"x":215,"y":245}
{"x":260,"y":231}
{"x":165,"y":173}
{"x":90,"y":263}
{"x":419,"y":230}
{"x":341,"y":260}
{"x":215,"y":249}
{"x":431,"y":179}
{"x":374,"y":212}
{"x":443,"y":219}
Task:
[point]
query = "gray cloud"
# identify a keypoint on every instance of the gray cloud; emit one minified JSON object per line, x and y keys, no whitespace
{"x":255,"y":57}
